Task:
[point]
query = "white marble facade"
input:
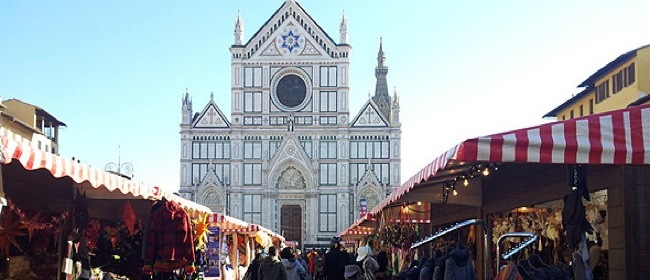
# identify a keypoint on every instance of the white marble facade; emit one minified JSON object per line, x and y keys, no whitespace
{"x":290,"y":142}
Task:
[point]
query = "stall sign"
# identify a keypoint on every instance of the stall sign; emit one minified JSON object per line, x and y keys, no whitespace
{"x":212,"y":253}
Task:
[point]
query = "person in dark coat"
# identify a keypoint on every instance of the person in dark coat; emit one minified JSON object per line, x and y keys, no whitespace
{"x":254,"y":267}
{"x":335,"y":260}
{"x":271,"y":267}
{"x":382,"y":260}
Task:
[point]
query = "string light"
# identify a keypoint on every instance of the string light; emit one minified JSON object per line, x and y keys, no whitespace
{"x":465,"y":182}
{"x":455,"y":192}
{"x":486,"y":171}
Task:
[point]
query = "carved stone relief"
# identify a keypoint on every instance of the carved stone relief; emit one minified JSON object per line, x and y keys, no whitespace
{"x":291,"y":178}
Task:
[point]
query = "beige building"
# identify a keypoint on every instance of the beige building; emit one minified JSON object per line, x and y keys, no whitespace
{"x":30,"y":123}
{"x":620,"y":83}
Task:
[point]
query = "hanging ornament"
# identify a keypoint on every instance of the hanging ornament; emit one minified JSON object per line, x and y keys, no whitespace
{"x":129,"y":217}
{"x":32,"y":225}
{"x":92,"y":234}
{"x":201,"y":229}
{"x":9,"y":230}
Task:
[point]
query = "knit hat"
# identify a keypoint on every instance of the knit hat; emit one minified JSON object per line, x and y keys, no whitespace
{"x":351,"y":270}
{"x":362,"y":253}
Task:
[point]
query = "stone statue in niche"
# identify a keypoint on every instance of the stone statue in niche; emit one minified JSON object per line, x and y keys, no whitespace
{"x":291,"y":178}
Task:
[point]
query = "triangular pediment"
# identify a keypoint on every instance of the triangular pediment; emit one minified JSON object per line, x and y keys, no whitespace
{"x":211,"y":179}
{"x":291,"y":31}
{"x":369,"y":178}
{"x":290,"y":154}
{"x":211,"y":117}
{"x":369,"y":116}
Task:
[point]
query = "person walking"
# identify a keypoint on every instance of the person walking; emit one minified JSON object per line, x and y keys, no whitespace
{"x":312,"y":256}
{"x":271,"y":267}
{"x":335,"y":260}
{"x":301,"y":259}
{"x":295,"y":270}
{"x":368,"y":264}
{"x":254,"y":267}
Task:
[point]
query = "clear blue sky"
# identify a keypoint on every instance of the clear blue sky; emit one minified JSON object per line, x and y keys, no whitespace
{"x":115,"y":71}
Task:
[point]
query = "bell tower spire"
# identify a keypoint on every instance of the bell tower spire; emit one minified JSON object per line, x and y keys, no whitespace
{"x":381,"y":97}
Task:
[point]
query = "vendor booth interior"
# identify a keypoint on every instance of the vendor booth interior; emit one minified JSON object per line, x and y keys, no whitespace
{"x":564,"y":198}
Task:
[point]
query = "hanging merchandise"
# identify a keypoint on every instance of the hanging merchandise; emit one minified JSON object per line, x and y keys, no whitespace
{"x":128,"y":216}
{"x":9,"y":230}
{"x":201,"y":230}
{"x":77,"y":238}
{"x":169,"y":245}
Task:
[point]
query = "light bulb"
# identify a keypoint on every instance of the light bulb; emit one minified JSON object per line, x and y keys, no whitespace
{"x":465,"y":182}
{"x":419,"y":203}
{"x":486,"y":171}
{"x":455,"y":192}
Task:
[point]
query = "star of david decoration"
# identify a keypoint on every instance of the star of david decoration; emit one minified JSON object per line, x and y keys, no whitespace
{"x":290,"y":41}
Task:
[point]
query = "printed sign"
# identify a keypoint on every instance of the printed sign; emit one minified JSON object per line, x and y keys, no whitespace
{"x":212,"y":253}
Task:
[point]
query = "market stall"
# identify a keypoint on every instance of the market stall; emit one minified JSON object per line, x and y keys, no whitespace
{"x":567,"y":161}
{"x":239,"y":241}
{"x":63,"y":218}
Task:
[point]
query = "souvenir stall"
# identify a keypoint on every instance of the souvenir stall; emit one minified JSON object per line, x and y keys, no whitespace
{"x":64,"y":218}
{"x":393,"y":232}
{"x":492,"y":178}
{"x":237,"y":245}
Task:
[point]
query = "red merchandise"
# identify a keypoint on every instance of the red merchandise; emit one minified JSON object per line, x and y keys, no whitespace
{"x":169,"y":243}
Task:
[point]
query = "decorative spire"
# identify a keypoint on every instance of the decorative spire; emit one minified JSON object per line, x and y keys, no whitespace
{"x":239,"y":29}
{"x":186,"y":107}
{"x":382,"y":97}
{"x":212,"y":95}
{"x":381,"y":57}
{"x":395,"y":97}
{"x":343,"y":30}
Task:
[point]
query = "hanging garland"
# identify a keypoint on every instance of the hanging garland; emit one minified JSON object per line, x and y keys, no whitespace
{"x":397,"y":235}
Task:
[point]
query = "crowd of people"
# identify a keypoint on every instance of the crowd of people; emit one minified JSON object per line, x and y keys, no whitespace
{"x":332,"y":264}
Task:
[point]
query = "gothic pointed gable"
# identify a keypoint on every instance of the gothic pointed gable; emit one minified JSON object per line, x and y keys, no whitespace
{"x":211,"y":179}
{"x":369,"y":116}
{"x":212,"y":190}
{"x":290,"y":31}
{"x":211,"y":117}
{"x":369,"y":188}
{"x":290,"y":161}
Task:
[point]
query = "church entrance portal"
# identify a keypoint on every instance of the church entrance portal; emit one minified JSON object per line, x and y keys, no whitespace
{"x":291,"y":222}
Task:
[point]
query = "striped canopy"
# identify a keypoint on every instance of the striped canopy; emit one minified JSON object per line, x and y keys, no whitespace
{"x":100,"y":184}
{"x":620,"y":137}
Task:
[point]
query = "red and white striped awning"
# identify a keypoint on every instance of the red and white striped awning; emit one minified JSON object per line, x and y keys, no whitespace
{"x":620,"y":137}
{"x":228,"y":223}
{"x":107,"y":184}
{"x":410,"y":221}
{"x":361,"y":227}
{"x":271,"y":233}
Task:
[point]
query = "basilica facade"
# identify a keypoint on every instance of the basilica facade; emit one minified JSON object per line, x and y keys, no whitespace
{"x":290,"y":156}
